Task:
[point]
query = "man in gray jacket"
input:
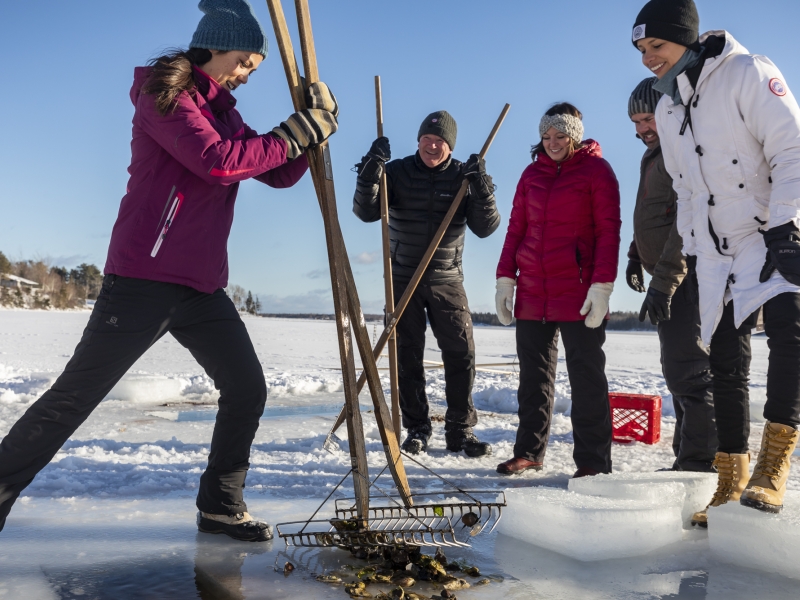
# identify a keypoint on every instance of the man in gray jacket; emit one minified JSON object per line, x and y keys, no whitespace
{"x":672,"y":297}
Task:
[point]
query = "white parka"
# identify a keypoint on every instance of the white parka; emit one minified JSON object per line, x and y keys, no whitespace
{"x":735,"y":169}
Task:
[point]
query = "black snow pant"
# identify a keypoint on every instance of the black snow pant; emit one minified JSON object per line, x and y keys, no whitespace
{"x":537,"y":349}
{"x":451,"y":322}
{"x":685,"y":364}
{"x":782,"y":326}
{"x":130,"y":315}
{"x":729,"y":357}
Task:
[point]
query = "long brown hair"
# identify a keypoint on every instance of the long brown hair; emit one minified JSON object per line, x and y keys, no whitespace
{"x":559,"y":108}
{"x":172,"y":74}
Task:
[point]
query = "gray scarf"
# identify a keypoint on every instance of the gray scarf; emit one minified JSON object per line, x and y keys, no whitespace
{"x":668,"y":84}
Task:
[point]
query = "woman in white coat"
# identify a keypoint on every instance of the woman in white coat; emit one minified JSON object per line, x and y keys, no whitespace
{"x":730,"y":134}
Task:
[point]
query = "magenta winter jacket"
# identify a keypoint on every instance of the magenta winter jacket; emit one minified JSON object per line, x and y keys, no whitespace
{"x":563,"y":234}
{"x":175,"y":218}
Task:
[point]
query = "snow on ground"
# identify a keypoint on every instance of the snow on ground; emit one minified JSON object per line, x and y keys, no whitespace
{"x":113,"y":515}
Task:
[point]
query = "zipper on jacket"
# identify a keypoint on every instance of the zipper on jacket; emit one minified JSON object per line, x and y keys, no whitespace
{"x":578,"y":259}
{"x":173,"y":213}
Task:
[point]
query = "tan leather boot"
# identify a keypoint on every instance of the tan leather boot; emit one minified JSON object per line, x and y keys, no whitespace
{"x":768,"y":483}
{"x":734,"y":471}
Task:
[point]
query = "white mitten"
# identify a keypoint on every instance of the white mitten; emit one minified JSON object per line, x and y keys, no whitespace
{"x":504,"y":299}
{"x":596,"y":306}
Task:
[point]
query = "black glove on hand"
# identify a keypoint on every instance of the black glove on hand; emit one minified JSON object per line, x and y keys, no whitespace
{"x":474,"y":168}
{"x":634,"y":276}
{"x":380,"y":150}
{"x":783,"y":253}
{"x":656,"y":306}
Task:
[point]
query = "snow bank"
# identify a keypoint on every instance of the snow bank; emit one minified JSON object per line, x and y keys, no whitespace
{"x":592,"y":528}
{"x":698,"y":487}
{"x":754,"y":539}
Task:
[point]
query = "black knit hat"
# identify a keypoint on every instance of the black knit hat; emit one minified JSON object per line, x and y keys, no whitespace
{"x":644,"y":98}
{"x":671,"y":20}
{"x":442,"y":124}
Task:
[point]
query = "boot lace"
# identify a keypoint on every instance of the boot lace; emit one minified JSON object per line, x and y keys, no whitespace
{"x":727,"y":478}
{"x":774,"y":452}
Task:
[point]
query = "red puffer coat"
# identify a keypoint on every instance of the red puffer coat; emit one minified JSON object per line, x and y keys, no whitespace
{"x":563,"y":234}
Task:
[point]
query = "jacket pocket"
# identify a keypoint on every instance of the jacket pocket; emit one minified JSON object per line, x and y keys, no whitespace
{"x":393,"y":244}
{"x":174,"y":208}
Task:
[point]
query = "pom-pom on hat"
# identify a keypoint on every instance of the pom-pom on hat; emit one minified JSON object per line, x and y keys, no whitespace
{"x":671,"y":20}
{"x":644,"y":98}
{"x":229,"y":25}
{"x":442,"y":124}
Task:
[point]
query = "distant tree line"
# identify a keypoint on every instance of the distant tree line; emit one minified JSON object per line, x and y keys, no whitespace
{"x":619,"y":321}
{"x":61,"y":287}
{"x":243,"y":300}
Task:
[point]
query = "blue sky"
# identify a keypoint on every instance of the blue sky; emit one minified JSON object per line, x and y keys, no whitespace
{"x":65,"y":116}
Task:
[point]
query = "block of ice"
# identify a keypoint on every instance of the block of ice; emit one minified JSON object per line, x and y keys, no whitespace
{"x":592,"y":527}
{"x":699,"y":487}
{"x":758,"y":540}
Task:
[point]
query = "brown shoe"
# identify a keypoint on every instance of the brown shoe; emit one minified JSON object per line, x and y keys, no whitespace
{"x":734,"y":472}
{"x":585,"y":472}
{"x":767,"y":485}
{"x":517,"y":465}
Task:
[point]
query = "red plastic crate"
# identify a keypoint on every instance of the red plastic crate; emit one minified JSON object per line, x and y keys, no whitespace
{"x":635,"y":418}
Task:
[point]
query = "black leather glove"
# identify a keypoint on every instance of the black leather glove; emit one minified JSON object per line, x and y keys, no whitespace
{"x":634,"y":276}
{"x":656,"y":306}
{"x":474,"y":168}
{"x":783,"y":253}
{"x":380,"y":150}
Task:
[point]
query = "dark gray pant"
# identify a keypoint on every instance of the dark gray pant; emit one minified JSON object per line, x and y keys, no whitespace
{"x":451,"y":322}
{"x":130,"y":315}
{"x":686,"y":369}
{"x":537,"y":349}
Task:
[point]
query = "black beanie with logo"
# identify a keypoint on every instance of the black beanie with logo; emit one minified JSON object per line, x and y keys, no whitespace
{"x":675,"y":21}
{"x":442,"y":124}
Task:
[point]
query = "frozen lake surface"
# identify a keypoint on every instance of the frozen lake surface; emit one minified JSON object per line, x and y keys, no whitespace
{"x":113,"y":515}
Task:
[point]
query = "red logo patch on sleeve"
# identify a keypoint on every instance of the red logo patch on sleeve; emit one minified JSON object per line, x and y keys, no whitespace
{"x":777,"y":87}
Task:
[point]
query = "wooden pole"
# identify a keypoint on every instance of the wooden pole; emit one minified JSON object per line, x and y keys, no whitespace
{"x":341,"y":272}
{"x":426,"y":259}
{"x":387,"y":272}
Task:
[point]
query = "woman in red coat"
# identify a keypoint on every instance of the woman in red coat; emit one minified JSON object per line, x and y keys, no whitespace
{"x":561,"y":253}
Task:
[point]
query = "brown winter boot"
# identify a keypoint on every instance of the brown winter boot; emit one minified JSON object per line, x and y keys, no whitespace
{"x":733,"y":470}
{"x":768,"y":483}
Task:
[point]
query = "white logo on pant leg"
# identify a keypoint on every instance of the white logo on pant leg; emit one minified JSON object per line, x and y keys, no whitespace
{"x":638,"y":32}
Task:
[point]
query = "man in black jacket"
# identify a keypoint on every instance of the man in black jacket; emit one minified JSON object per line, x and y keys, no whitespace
{"x":421,"y":189}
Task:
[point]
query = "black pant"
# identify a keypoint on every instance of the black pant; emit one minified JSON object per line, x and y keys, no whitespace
{"x":451,"y":322}
{"x":130,"y":315}
{"x":537,"y":349}
{"x":685,"y":364}
{"x":730,"y":356}
{"x":782,"y":326}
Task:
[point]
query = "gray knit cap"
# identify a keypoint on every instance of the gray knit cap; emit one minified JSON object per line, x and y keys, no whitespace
{"x":644,"y":98}
{"x":229,"y":25}
{"x":566,"y":124}
{"x":442,"y":124}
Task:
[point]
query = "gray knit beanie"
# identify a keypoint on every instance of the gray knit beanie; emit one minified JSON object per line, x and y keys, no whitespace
{"x":442,"y":124}
{"x":644,"y":98}
{"x":566,"y":124}
{"x":229,"y":25}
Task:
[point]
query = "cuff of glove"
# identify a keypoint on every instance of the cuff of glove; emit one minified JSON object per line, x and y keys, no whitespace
{"x":603,"y":287}
{"x":503,"y":282}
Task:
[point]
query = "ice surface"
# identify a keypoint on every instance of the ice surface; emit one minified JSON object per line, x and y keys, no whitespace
{"x":592,"y":528}
{"x":699,"y":487}
{"x":755,"y":539}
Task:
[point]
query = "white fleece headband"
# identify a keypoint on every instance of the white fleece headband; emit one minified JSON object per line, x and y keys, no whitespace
{"x":566,"y":124}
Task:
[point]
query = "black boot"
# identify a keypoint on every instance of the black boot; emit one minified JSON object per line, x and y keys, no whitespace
{"x":464,"y":439}
{"x":417,"y":439}
{"x":241,"y":527}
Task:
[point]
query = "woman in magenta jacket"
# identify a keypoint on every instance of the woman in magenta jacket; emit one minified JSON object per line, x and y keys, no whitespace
{"x":167,"y":260}
{"x":561,"y":253}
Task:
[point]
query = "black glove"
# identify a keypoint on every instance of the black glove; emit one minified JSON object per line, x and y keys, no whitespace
{"x":656,"y":306}
{"x":474,"y":168}
{"x":380,"y":150}
{"x":634,"y":276}
{"x":783,"y":253}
